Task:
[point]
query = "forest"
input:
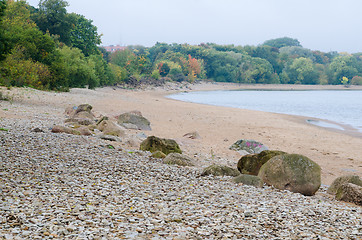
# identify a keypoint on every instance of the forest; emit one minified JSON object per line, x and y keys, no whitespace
{"x":45,"y":47}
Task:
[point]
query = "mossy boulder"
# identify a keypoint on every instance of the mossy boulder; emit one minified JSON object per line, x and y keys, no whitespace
{"x":220,"y":170}
{"x":158,"y":154}
{"x":250,"y":180}
{"x":154,"y":144}
{"x":250,"y":146}
{"x":293,"y":172}
{"x":84,"y":108}
{"x":251,"y":163}
{"x":350,"y":192}
{"x":338,"y":182}
{"x":132,"y":120}
{"x":178,"y":159}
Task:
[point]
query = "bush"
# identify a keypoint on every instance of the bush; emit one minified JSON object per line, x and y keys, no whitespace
{"x":18,"y":71}
{"x":155,"y":74}
{"x":356,"y":80}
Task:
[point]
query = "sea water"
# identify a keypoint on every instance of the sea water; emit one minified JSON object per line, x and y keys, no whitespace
{"x":344,"y":107}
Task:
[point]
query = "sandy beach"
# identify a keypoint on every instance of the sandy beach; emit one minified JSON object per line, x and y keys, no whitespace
{"x":64,"y":186}
{"x":338,"y":153}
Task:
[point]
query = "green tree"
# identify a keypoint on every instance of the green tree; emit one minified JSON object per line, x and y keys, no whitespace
{"x":83,"y":34}
{"x":342,"y":66}
{"x":76,"y":70}
{"x":52,"y":17}
{"x":300,"y":71}
{"x":20,"y":30}
{"x":282,"y":42}
{"x":2,"y":37}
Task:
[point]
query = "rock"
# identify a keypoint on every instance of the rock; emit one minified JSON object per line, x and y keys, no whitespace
{"x":81,"y":121}
{"x":109,"y":138}
{"x":193,"y":135}
{"x":84,"y":108}
{"x":84,"y":131}
{"x":250,"y":180}
{"x":135,"y":119}
{"x":350,"y":192}
{"x":251,"y":164}
{"x":158,"y":154}
{"x":292,"y":172}
{"x":83,"y":115}
{"x":62,"y":129}
{"x":70,"y":111}
{"x":178,"y":159}
{"x":37,"y":130}
{"x":102,"y":119}
{"x":251,"y":146}
{"x":110,"y":128}
{"x":338,"y":182}
{"x":220,"y":170}
{"x":154,"y":144}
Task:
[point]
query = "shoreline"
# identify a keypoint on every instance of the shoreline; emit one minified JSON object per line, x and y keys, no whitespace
{"x":336,"y":152}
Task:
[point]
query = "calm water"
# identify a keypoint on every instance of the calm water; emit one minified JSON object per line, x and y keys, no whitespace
{"x":344,"y":107}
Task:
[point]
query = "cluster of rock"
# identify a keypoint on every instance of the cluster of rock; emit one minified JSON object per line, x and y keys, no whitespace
{"x":82,"y":121}
{"x":258,"y":166}
{"x":292,"y":172}
{"x":347,"y":188}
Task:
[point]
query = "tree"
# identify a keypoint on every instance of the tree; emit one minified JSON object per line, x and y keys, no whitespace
{"x":301,"y":71}
{"x":342,"y":66}
{"x":20,"y":30}
{"x":83,"y":34}
{"x":52,"y":17}
{"x":2,"y":37}
{"x":282,"y":42}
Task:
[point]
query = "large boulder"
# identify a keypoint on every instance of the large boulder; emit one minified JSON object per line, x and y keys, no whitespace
{"x":132,"y":120}
{"x":220,"y":170}
{"x":251,"y":163}
{"x":110,"y":128}
{"x":250,"y":180}
{"x":350,"y":192}
{"x":338,"y":182}
{"x":178,"y":159}
{"x":154,"y":144}
{"x":250,"y":146}
{"x":292,"y":172}
{"x":84,"y":108}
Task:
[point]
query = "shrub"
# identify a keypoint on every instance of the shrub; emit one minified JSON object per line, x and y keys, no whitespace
{"x":356,"y":80}
{"x":18,"y":71}
{"x":155,"y":74}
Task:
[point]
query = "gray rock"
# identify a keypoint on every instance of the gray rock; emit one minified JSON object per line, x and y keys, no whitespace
{"x":178,"y":159}
{"x":251,"y":146}
{"x":292,"y":172}
{"x":250,"y":180}
{"x":220,"y":170}
{"x":251,"y":163}
{"x":154,"y":144}
{"x":350,"y":192}
{"x":135,"y":119}
{"x":338,"y":182}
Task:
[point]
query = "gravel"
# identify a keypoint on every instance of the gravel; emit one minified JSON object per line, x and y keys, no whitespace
{"x":59,"y":186}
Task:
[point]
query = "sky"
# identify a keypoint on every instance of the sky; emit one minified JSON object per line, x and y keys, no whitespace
{"x":325,"y":25}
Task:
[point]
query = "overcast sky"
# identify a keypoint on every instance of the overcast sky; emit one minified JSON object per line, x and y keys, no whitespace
{"x":326,"y":25}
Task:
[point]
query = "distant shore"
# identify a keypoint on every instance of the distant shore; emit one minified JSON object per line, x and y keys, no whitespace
{"x":336,"y":152}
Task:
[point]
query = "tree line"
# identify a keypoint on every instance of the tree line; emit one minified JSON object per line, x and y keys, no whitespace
{"x":46,"y":47}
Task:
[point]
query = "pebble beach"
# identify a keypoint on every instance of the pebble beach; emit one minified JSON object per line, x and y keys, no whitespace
{"x":60,"y":186}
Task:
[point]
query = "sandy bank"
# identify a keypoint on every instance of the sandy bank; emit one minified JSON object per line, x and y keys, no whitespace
{"x":337,"y":152}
